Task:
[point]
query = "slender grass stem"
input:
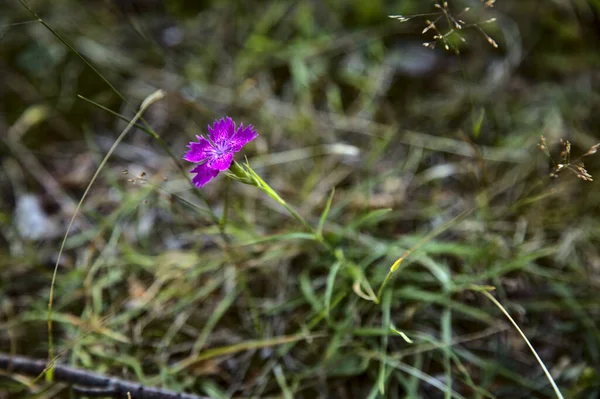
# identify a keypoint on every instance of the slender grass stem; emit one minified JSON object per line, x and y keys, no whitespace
{"x":489,"y":296}
{"x":151,"y":99}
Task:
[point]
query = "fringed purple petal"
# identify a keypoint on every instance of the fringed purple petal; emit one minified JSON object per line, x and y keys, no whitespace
{"x":242,"y":136}
{"x":221,"y":131}
{"x":204,"y":174}
{"x":198,"y":151}
{"x":221,"y":161}
{"x":216,"y":153}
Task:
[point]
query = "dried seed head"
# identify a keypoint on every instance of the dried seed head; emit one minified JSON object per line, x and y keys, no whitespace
{"x":492,"y":41}
{"x":452,"y":25}
{"x":582,"y":173}
{"x":593,"y":149}
{"x":430,"y":25}
{"x":542,"y":144}
{"x":400,"y":18}
{"x":578,"y":168}
{"x":566,"y":149}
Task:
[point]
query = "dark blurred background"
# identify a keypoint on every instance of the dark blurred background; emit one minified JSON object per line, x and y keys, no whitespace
{"x":342,"y":96}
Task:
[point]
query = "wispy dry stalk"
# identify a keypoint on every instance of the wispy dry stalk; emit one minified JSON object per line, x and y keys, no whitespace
{"x":452,"y":24}
{"x":577,"y":166}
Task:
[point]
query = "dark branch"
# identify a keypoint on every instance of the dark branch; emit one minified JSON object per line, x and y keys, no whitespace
{"x":88,"y":383}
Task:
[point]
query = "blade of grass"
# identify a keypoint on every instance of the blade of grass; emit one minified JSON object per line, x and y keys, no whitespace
{"x":423,"y":296}
{"x":446,"y":322}
{"x":415,"y":372}
{"x":396,"y":265}
{"x":118,"y":115}
{"x":151,"y":99}
{"x":280,"y":237}
{"x":240,"y":347}
{"x":459,"y":364}
{"x":307,"y":290}
{"x":287,"y":393}
{"x":486,"y":293}
{"x":325,"y":213}
{"x":216,"y":315}
{"x":413,"y":384}
{"x":401,"y":334}
{"x":385,"y":321}
{"x":370,"y":217}
{"x":330,"y":283}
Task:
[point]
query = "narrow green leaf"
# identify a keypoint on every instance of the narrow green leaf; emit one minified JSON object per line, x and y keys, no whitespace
{"x":281,"y":237}
{"x":386,"y":305}
{"x":287,"y":393}
{"x":370,"y":217}
{"x":446,"y":322}
{"x":478,"y":122}
{"x":213,"y":390}
{"x":330,"y":282}
{"x":401,"y":333}
{"x":308,"y":291}
{"x":325,"y":213}
{"x":223,"y":306}
{"x":118,"y":115}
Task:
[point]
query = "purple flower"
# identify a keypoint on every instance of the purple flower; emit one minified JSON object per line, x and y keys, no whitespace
{"x":216,"y":153}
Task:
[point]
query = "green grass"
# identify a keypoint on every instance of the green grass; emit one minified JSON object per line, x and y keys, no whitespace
{"x":359,"y":265}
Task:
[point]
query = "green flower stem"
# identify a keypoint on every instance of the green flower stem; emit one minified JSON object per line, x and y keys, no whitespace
{"x":245,"y":174}
{"x":393,"y":268}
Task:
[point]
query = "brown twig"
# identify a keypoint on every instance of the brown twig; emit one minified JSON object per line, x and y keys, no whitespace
{"x":89,"y":383}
